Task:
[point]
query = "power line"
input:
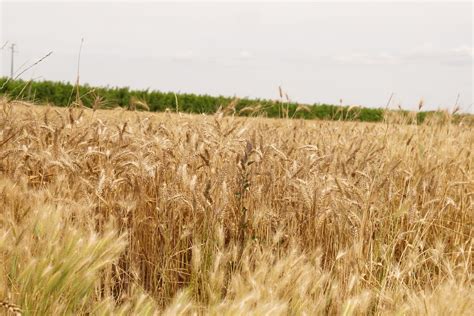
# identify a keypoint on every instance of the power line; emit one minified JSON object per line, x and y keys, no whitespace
{"x":3,"y":46}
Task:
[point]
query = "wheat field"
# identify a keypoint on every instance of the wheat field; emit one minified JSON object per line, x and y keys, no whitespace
{"x":116,"y":212}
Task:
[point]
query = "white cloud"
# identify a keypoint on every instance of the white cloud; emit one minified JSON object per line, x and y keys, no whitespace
{"x":463,"y":51}
{"x":184,"y":56}
{"x":366,"y":59}
{"x":245,"y":55}
{"x":458,"y":56}
{"x":461,"y":55}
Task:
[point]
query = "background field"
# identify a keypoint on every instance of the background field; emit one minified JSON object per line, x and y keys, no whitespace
{"x":64,"y":94}
{"x":122,"y":212}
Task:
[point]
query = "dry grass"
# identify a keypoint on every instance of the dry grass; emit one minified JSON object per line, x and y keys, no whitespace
{"x":120,"y":212}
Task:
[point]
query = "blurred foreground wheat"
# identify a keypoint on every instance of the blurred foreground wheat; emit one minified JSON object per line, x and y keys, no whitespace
{"x":120,"y":212}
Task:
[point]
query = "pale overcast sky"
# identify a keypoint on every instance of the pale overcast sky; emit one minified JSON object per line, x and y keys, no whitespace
{"x":318,"y":52}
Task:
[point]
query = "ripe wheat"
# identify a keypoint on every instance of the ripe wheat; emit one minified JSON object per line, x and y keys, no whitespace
{"x":124,"y":212}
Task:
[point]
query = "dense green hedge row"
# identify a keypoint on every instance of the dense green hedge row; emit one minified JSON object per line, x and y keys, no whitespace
{"x":63,"y":94}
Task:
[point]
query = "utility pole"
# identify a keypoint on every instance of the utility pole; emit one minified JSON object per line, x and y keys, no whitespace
{"x":12,"y":47}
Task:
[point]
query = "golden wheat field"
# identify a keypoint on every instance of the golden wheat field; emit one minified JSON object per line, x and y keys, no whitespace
{"x":133,"y":213}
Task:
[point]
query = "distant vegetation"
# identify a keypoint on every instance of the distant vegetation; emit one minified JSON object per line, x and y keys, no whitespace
{"x":64,"y":94}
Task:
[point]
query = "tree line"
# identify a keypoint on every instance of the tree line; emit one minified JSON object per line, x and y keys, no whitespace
{"x":65,"y":94}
